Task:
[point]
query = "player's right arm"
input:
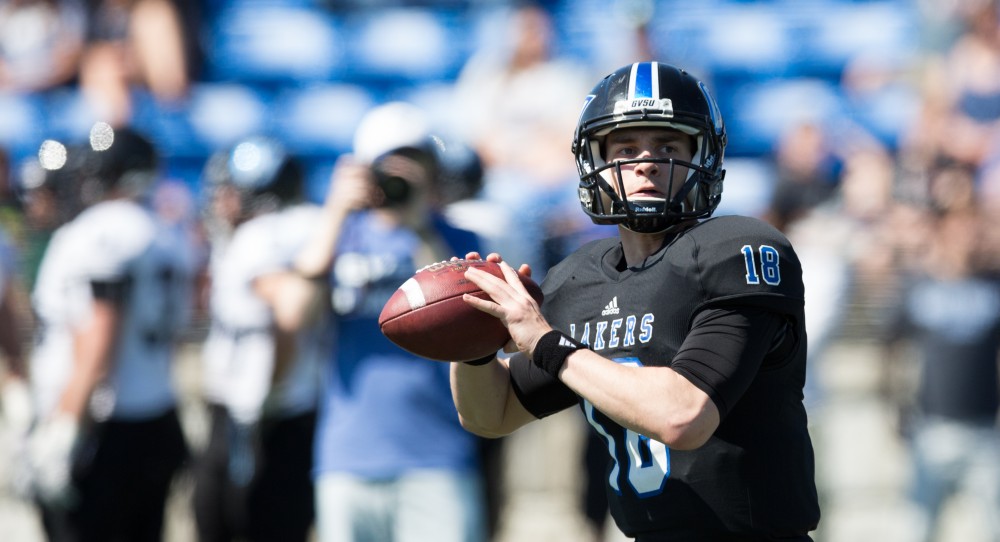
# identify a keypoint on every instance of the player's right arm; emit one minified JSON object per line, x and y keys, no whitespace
{"x":483,"y":394}
{"x":485,"y":399}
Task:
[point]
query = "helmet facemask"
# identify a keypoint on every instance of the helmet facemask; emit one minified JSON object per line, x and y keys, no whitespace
{"x":602,"y":190}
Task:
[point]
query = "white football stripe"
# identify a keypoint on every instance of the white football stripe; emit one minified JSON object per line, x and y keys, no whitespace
{"x":414,"y":295}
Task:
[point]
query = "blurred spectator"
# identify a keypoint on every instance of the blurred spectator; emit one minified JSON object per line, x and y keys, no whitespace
{"x":15,"y":403}
{"x":136,"y":43}
{"x":972,"y":81}
{"x":41,"y":43}
{"x":806,"y":169}
{"x":112,"y":295}
{"x":393,"y":463}
{"x":263,"y":352}
{"x":516,"y":103}
{"x":833,"y":236}
{"x":950,"y":316}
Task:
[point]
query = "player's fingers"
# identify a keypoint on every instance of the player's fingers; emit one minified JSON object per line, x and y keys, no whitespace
{"x":485,"y":305}
{"x":494,"y":286}
{"x":473,"y":256}
{"x":494,"y":257}
{"x":513,"y":278}
{"x":485,"y":281}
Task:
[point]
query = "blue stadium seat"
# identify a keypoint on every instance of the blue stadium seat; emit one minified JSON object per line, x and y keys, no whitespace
{"x":320,"y":120}
{"x":222,"y":113}
{"x":405,"y":46}
{"x":758,"y":112}
{"x":841,"y":31}
{"x":22,"y":124}
{"x":273,"y":43}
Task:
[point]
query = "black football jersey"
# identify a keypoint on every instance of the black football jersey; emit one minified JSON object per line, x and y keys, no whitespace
{"x":755,"y":475}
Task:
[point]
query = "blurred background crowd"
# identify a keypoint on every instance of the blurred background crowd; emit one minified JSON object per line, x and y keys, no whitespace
{"x":867,"y":130}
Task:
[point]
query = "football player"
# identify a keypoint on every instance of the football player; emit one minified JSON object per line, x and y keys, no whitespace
{"x":112,"y":295}
{"x":682,"y":339}
{"x":262,"y":355}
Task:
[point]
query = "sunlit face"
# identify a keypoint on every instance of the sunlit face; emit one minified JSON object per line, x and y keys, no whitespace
{"x":644,"y":180}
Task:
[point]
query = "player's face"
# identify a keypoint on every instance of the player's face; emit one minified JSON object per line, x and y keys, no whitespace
{"x":649,"y":179}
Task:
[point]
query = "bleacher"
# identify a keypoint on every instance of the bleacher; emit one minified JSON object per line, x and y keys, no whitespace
{"x":307,"y":70}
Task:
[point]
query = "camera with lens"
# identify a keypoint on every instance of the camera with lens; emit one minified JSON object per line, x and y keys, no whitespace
{"x":397,"y":174}
{"x":396,"y":189}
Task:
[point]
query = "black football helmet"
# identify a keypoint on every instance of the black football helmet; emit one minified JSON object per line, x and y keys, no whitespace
{"x":45,"y":181}
{"x":650,"y":94}
{"x":261,"y":170}
{"x":120,"y":159}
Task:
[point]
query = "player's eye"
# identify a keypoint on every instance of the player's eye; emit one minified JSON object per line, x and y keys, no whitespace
{"x":624,"y":152}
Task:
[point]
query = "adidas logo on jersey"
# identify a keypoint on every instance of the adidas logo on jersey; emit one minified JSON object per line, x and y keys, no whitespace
{"x":611,"y":308}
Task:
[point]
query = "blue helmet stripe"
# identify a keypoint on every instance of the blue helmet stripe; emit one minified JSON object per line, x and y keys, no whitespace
{"x":643,"y":83}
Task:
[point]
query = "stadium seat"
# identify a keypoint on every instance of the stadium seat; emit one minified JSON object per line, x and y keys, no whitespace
{"x":22,"y":124}
{"x":403,"y":45}
{"x":273,"y":43}
{"x":320,"y":120}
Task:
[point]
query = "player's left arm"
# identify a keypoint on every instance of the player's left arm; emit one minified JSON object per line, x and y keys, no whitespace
{"x":296,"y":302}
{"x":657,"y":402}
{"x":93,"y":348}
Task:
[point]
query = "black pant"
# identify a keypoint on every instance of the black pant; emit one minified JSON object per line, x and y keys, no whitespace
{"x":122,"y":476}
{"x":276,"y":503}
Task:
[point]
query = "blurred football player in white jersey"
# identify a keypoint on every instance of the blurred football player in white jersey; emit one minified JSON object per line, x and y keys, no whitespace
{"x":263,"y":351}
{"x":113,"y":292}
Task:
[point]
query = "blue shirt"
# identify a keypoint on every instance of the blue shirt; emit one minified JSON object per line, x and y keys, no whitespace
{"x":384,"y":411}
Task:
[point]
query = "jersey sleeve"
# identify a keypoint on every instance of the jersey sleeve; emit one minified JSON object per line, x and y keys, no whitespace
{"x":725,"y":349}
{"x":105,"y":243}
{"x":255,"y":249}
{"x":746,"y":262}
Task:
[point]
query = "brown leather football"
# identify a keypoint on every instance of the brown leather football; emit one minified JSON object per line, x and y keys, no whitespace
{"x":426,"y":316}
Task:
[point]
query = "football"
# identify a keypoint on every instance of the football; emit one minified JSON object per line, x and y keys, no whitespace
{"x":426,"y":315}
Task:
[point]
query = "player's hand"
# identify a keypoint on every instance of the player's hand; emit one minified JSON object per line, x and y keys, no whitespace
{"x":50,"y":459}
{"x":510,"y":302}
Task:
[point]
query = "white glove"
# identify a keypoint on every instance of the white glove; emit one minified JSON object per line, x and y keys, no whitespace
{"x":50,"y":459}
{"x":15,"y":400}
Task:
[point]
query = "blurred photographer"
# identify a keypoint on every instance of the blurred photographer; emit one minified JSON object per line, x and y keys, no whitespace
{"x":392,"y":462}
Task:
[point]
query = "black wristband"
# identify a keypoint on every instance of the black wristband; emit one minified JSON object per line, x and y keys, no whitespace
{"x":552,"y":349}
{"x":481,"y":361}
